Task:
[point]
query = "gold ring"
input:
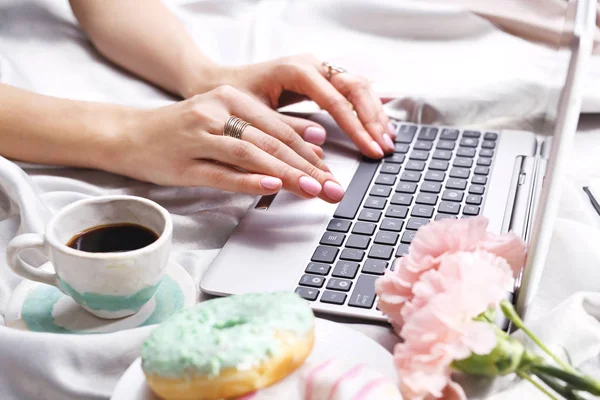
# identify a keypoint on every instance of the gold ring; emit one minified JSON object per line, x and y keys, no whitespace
{"x":234,"y":127}
{"x":330,"y":69}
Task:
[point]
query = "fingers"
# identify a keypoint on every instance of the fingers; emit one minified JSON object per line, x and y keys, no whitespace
{"x":218,"y":176}
{"x":310,"y":131}
{"x":318,"y":151}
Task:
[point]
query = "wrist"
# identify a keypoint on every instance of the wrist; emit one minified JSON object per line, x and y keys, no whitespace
{"x":205,"y":76}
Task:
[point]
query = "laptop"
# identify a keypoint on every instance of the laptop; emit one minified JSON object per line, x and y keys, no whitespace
{"x":331,"y":255}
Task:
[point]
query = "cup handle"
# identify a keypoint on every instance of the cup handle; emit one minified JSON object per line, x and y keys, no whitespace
{"x":20,"y":267}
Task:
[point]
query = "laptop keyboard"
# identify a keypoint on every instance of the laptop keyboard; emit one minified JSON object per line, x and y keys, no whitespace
{"x":434,"y":174}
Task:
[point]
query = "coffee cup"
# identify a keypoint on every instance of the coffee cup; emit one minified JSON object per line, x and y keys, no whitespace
{"x":109,"y":253}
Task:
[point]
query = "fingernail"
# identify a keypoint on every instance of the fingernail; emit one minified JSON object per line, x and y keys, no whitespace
{"x":376,"y":148}
{"x":315,"y":135}
{"x":334,"y":191}
{"x":310,"y":185}
{"x":388,"y":142}
{"x":270,"y":183}
{"x":391,"y":129}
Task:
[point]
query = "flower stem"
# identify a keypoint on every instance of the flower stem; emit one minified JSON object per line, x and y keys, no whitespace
{"x":510,"y":313}
{"x":565,"y":391}
{"x":528,"y":378}
{"x":575,"y":380}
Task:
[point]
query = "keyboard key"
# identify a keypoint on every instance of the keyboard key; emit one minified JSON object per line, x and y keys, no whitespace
{"x":410,"y":176}
{"x":390,"y":168}
{"x":396,"y":212}
{"x":476,"y":189}
{"x":369,"y":215}
{"x":435,"y":176}
{"x":356,"y":191}
{"x":405,"y":133}
{"x":408,"y":236}
{"x":402,"y":251}
{"x":479,"y":179}
{"x":482,"y":170}
{"x":387,"y":238}
{"x":401,"y":199}
{"x":364,"y":228}
{"x":428,"y":133}
{"x":431,"y":187}
{"x":312,"y":280}
{"x":438,"y":165}
{"x":442,"y":155}
{"x":454,"y":183}
{"x":427,"y":199}
{"x":391,"y":224}
{"x":484,"y":161}
{"x":449,"y":208}
{"x":490,"y":136}
{"x":440,"y":217}
{"x":419,"y":155}
{"x":381,"y":252}
{"x":396,"y":158}
{"x":376,"y":203}
{"x":352,"y":255}
{"x":486,"y":153}
{"x":422,"y":211}
{"x":474,"y":199}
{"x":471,"y":210}
{"x":376,"y":267}
{"x":380,"y":191}
{"x":452,"y":195}
{"x":416,"y":223}
{"x":358,"y":242}
{"x":462,"y":162}
{"x":406,"y":187}
{"x":339,"y":225}
{"x":325,"y":254}
{"x":445,"y":145}
{"x":465,"y":152}
{"x":459,"y":173}
{"x":363,"y":295}
{"x":413,"y":165}
{"x":449,"y":134}
{"x":423,"y":145}
{"x":333,"y":297}
{"x":332,"y":238}
{"x":339,"y":284}
{"x":471,"y":134}
{"x":345,"y":269}
{"x":488,"y":144}
{"x":307,"y":294}
{"x":384,"y":179}
{"x":401,"y":148}
{"x":469,"y":142}
{"x":318,"y":268}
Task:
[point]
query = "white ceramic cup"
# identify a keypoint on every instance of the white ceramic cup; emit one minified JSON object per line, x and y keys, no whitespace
{"x":108,"y":285}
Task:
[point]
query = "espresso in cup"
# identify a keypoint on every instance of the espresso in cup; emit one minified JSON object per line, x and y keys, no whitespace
{"x":113,"y":238}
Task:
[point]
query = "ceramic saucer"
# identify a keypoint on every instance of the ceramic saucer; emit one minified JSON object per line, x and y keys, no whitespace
{"x":38,"y":307}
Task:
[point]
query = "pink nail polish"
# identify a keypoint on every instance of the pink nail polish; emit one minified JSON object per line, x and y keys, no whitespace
{"x":334,"y":191}
{"x":310,"y":185}
{"x":376,"y":148}
{"x":388,"y":142}
{"x":391,"y":129}
{"x":270,"y":183}
{"x":315,"y":135}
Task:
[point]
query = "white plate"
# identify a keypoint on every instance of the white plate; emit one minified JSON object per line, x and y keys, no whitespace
{"x":38,"y":307}
{"x":332,"y":341}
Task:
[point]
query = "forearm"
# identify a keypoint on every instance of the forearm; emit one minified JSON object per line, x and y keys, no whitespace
{"x":143,"y":37}
{"x":49,"y":130}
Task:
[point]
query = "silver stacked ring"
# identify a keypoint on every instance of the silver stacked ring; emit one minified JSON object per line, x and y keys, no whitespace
{"x":234,"y":127}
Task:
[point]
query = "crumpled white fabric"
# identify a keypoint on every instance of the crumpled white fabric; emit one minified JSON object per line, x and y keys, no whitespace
{"x":445,"y":64}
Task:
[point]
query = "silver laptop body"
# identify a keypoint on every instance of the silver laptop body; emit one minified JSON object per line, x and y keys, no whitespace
{"x":286,"y":243}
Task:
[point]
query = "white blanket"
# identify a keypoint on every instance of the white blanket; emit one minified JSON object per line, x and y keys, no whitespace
{"x":446,"y":64}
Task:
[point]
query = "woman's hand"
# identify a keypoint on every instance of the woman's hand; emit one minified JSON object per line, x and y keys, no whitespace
{"x":344,"y":93}
{"x":183,"y":144}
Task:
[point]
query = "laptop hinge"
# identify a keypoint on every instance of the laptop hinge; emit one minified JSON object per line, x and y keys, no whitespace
{"x":517,"y":216}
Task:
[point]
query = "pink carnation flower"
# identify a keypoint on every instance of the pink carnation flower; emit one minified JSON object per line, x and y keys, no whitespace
{"x":431,"y":243}
{"x":439,"y":326}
